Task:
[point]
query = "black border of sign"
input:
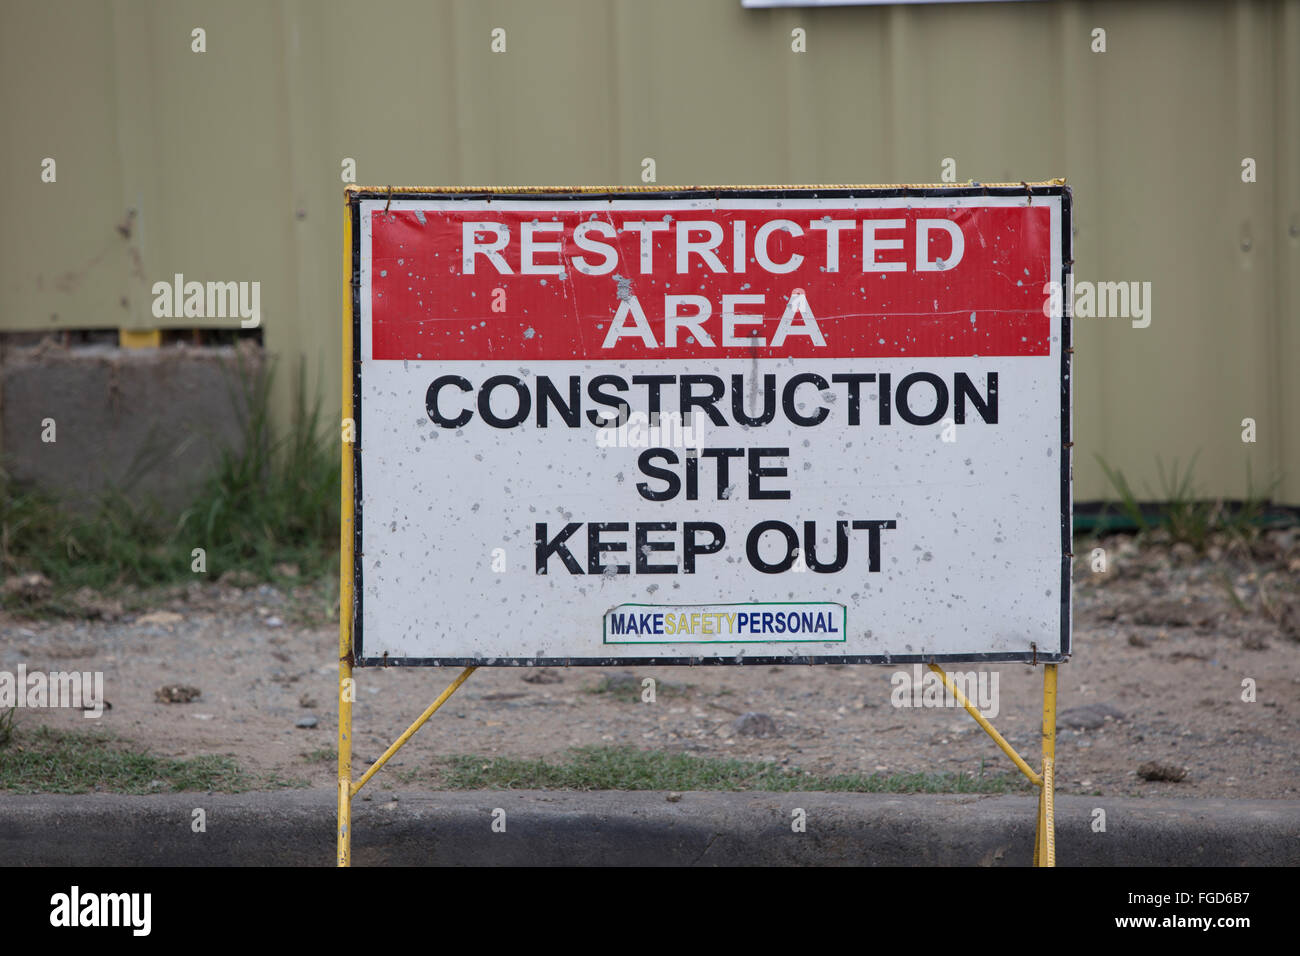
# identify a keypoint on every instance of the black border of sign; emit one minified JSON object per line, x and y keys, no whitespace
{"x":544,"y":194}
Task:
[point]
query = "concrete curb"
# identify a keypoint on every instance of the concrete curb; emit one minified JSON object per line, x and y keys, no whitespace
{"x":296,"y":828}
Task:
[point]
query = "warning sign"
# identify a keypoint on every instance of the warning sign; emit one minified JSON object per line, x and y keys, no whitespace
{"x":725,"y":426}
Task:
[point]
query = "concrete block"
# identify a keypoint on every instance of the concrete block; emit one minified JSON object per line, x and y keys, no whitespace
{"x":149,"y":422}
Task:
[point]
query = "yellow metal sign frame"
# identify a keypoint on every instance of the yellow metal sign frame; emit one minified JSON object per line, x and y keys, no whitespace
{"x":1044,"y":779}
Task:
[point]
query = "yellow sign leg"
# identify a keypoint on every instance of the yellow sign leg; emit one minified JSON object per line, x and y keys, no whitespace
{"x":988,"y":728}
{"x":1045,"y":830}
{"x":345,"y":765}
{"x":410,"y":731}
{"x":346,"y":687}
{"x":1045,"y":844}
{"x":1038,"y":828}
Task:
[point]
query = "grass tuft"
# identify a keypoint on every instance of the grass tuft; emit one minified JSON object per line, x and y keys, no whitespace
{"x":118,"y":543}
{"x":276,"y":500}
{"x":1128,"y":500}
{"x":61,"y":761}
{"x":625,"y":768}
{"x":1184,"y":513}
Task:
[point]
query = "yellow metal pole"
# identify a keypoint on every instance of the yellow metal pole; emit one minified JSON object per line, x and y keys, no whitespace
{"x":345,"y":765}
{"x":1047,"y":823}
{"x":346,"y":686}
{"x":989,"y":729}
{"x":1038,"y":829}
{"x":410,"y":731}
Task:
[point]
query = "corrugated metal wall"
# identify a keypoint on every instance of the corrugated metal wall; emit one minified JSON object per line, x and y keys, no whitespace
{"x":225,"y":165}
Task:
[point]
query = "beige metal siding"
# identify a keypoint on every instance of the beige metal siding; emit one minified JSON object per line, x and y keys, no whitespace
{"x":231,"y":159}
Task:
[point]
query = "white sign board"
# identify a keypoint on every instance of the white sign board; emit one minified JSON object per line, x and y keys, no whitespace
{"x":715,"y":425}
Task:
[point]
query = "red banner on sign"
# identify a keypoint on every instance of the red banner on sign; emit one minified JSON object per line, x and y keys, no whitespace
{"x":572,"y":283}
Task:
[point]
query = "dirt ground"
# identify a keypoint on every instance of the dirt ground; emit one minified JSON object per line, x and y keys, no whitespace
{"x":1164,"y":640}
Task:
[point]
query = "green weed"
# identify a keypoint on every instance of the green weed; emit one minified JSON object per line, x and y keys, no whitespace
{"x":625,"y":768}
{"x":275,"y":500}
{"x":57,"y":761}
{"x":1184,"y":512}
